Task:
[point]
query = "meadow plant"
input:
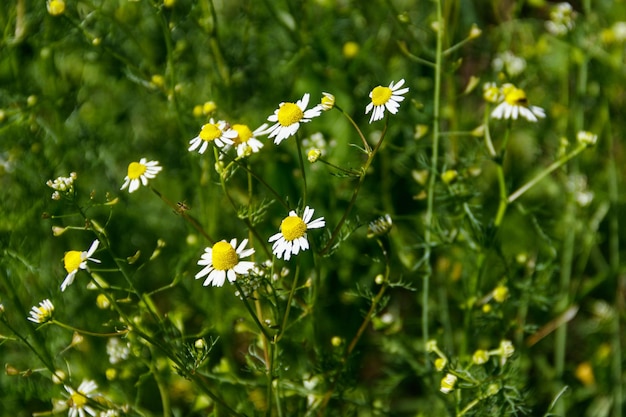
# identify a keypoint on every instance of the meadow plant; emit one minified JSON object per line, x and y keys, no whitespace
{"x":385,"y":208}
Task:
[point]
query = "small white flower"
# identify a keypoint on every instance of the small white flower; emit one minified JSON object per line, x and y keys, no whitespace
{"x":292,"y":236}
{"x":75,"y":260}
{"x":219,"y":133}
{"x":43,"y":313}
{"x":288,"y":116}
{"x":385,"y":98}
{"x":117,"y":350}
{"x":447,"y":383}
{"x":515,"y":104}
{"x":222,"y":261}
{"x":586,"y":138}
{"x":78,"y":402}
{"x":246,"y":141}
{"x":328,"y":101}
{"x":139,"y":173}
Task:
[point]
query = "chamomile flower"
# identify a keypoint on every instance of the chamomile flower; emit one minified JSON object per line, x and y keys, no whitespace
{"x":78,"y":402}
{"x":288,"y":116}
{"x":246,"y":141}
{"x":223,"y":260}
{"x":292,"y":236}
{"x":515,"y":104}
{"x":328,"y":101}
{"x":75,"y":260}
{"x":43,"y":313}
{"x":218,"y":132}
{"x":140,"y":172}
{"x":385,"y":98}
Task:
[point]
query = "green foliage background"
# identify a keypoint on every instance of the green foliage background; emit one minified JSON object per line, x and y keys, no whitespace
{"x":78,"y":93}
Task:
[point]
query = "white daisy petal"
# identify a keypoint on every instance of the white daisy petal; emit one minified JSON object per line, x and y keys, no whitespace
{"x":222,"y":261}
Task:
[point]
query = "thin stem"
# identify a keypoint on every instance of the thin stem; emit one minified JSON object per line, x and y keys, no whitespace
{"x":429,"y":219}
{"x":355,"y":193}
{"x":283,"y":326}
{"x":252,"y":314}
{"x":366,"y":145}
{"x":184,"y":215}
{"x":553,"y":166}
{"x":301,"y":160}
{"x":87,"y":332}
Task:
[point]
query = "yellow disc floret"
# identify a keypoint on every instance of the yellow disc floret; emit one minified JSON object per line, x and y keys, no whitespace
{"x":136,"y":170}
{"x":292,"y":227}
{"x":244,"y":134}
{"x":224,"y":256}
{"x":210,"y":132}
{"x":77,"y":400}
{"x":289,"y":113}
{"x":72,"y":260}
{"x":514,"y":96}
{"x":381,"y":95}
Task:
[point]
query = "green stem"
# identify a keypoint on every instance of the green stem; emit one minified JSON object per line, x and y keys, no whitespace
{"x":283,"y":326}
{"x":184,"y":215}
{"x":429,"y":219}
{"x":355,"y":193}
{"x":301,"y":160}
{"x":366,"y":146}
{"x":553,"y":166}
{"x":86,"y":332}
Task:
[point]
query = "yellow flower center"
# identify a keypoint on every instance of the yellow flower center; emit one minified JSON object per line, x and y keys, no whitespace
{"x":515,"y":96}
{"x":289,"y":114}
{"x":77,"y":400}
{"x":210,"y":132}
{"x":72,"y":260}
{"x":136,"y":170}
{"x":224,"y":256}
{"x":243,"y":134}
{"x":381,"y":95}
{"x":292,"y":227}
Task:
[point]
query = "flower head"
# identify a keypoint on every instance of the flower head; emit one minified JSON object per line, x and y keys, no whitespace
{"x":79,"y":399}
{"x":385,"y":97}
{"x":140,"y":172}
{"x":288,"y":116}
{"x":246,"y":141}
{"x":43,"y":313}
{"x":55,"y":7}
{"x":75,"y":260}
{"x":222,"y":260}
{"x":63,"y":185}
{"x":561,"y":19}
{"x":219,"y":133}
{"x":292,"y":236}
{"x":586,"y":138}
{"x":328,"y":101}
{"x":515,"y":103}
{"x":447,"y":383}
{"x":380,"y":227}
{"x":480,"y":357}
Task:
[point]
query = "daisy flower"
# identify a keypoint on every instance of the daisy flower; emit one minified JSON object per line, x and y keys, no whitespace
{"x":386,"y":97}
{"x":222,"y":260}
{"x":43,"y":313}
{"x":78,"y":401}
{"x":140,"y":171}
{"x":246,"y":141}
{"x":288,"y":116}
{"x":219,"y":133}
{"x":292,"y":236}
{"x":516,"y":104}
{"x":75,"y":260}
